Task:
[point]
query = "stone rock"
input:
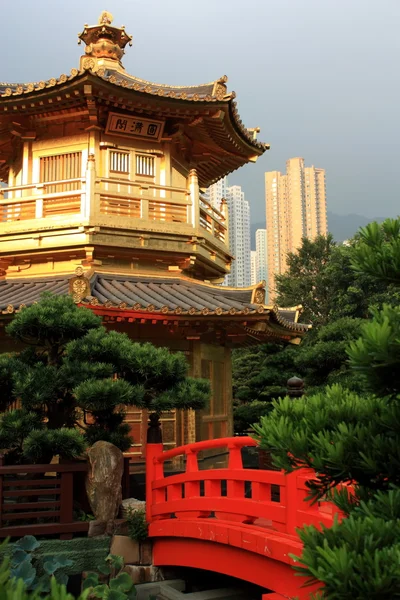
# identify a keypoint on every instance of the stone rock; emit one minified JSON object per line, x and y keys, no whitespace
{"x":96,"y":528}
{"x":140,"y":574}
{"x":131,"y":505}
{"x":103,"y":482}
{"x":122,"y":545}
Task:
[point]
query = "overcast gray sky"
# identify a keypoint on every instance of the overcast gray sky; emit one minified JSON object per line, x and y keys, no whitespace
{"x":320,"y":77}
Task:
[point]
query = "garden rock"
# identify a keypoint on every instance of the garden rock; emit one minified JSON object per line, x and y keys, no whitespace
{"x":103,"y":484}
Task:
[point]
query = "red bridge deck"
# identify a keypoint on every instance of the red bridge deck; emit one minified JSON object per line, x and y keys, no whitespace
{"x":235,"y":521}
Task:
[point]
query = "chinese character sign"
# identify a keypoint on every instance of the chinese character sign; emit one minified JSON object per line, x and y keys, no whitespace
{"x":134,"y":126}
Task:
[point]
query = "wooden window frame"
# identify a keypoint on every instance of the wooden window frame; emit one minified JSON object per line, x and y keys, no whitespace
{"x":126,"y":154}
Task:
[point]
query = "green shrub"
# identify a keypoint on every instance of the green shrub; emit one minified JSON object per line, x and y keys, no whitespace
{"x":41,"y":445}
{"x":72,"y":365}
{"x":24,"y":566}
{"x":353,"y":438}
{"x":245,"y":415}
{"x":137,"y":525}
{"x":119,"y":585}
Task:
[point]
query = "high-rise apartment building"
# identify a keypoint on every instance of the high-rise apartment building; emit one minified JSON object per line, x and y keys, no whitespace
{"x":239,"y":229}
{"x":216,"y":192}
{"x":253,"y":267}
{"x":239,"y":237}
{"x":261,"y":255}
{"x":295,"y":208}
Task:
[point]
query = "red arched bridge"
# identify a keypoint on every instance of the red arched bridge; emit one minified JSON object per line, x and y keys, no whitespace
{"x":236,"y":521}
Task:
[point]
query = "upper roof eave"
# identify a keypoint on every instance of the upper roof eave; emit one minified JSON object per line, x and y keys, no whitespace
{"x":211,"y":93}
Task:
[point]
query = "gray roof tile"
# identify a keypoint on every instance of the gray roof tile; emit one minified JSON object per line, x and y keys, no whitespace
{"x":161,"y":293}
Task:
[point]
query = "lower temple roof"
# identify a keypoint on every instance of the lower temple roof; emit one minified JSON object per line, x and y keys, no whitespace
{"x":167,"y":296}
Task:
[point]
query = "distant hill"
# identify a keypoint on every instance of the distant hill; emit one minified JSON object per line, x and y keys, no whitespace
{"x":342,"y":227}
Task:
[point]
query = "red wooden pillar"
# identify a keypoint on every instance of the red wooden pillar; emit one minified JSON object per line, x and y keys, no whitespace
{"x":291,"y":502}
{"x":154,"y":471}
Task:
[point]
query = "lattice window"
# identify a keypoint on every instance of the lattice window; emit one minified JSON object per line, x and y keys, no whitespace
{"x":145,"y":165}
{"x":60,"y":167}
{"x":119,"y":161}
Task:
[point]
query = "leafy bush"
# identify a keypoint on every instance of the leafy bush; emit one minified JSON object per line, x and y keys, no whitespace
{"x":19,"y":578}
{"x":24,"y":566}
{"x":41,"y":445}
{"x":246,"y":415}
{"x":137,"y":525}
{"x":353,"y":437}
{"x":15,"y":589}
{"x":119,"y":585}
{"x":72,"y":365}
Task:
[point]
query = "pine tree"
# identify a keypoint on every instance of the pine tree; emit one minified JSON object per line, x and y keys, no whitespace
{"x":353,"y":437}
{"x":73,"y":379}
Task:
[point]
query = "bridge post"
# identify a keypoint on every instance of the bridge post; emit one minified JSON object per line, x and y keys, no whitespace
{"x":291,"y":500}
{"x":154,"y":470}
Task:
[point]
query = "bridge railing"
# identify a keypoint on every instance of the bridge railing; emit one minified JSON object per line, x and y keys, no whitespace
{"x":237,"y":494}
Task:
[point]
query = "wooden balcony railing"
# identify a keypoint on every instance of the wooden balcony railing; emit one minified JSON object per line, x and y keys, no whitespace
{"x":112,"y":197}
{"x":32,"y":201}
{"x":212,"y":220}
{"x":151,"y":202}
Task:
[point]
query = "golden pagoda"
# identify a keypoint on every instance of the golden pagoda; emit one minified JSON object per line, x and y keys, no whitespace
{"x":104,"y":175}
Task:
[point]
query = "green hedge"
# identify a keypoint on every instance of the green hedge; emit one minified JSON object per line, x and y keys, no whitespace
{"x":85,"y":553}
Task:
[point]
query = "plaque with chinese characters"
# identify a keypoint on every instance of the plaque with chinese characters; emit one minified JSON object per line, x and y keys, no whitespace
{"x":137,"y":127}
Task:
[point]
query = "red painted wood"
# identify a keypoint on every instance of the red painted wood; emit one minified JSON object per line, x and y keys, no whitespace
{"x":265,"y":542}
{"x":241,"y":507}
{"x":232,"y":561}
{"x":238,"y":442}
{"x":268,"y":477}
{"x":154,"y":471}
{"x":246,"y":533}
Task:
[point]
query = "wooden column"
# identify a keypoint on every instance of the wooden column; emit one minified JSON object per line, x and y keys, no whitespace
{"x":88,"y":200}
{"x":225,"y":212}
{"x":193,"y":185}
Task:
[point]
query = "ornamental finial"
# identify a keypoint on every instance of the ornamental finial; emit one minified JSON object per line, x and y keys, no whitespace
{"x":104,"y":44}
{"x":105,"y":18}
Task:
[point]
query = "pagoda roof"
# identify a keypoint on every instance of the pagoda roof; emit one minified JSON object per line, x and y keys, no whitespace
{"x":204,"y":114}
{"x":167,"y":297}
{"x":214,"y":92}
{"x":195,"y":93}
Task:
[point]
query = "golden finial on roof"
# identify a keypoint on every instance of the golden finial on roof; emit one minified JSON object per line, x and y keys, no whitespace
{"x":105,"y":18}
{"x":104,"y":44}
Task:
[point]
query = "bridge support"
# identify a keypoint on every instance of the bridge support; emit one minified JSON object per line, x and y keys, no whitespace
{"x":231,"y":561}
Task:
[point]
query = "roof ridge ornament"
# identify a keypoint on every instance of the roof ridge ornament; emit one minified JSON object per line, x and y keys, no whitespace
{"x":105,"y":18}
{"x":105,"y":44}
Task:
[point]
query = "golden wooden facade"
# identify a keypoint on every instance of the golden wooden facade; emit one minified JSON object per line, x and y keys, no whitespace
{"x":104,"y":175}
